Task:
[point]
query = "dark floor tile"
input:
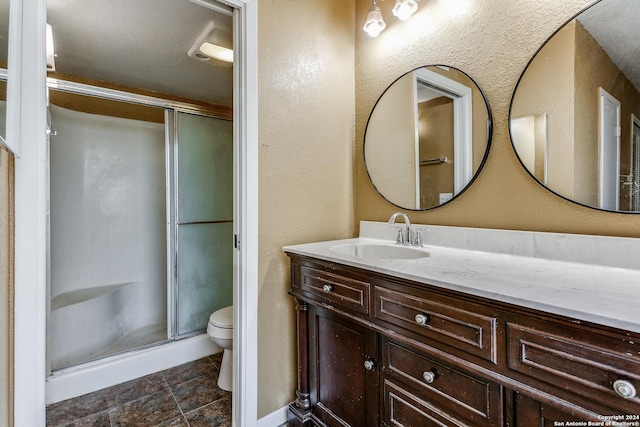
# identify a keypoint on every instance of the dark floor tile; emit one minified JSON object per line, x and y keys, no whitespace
{"x":100,"y":419}
{"x":189,"y":371}
{"x":73,"y":409}
{"x":146,"y":411}
{"x":198,"y":392}
{"x":176,"y":422}
{"x":217,"y":414}
{"x":134,"y":389}
{"x":216,"y":359}
{"x":150,"y":401}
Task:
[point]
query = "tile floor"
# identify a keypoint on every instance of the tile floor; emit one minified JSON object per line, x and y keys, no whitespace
{"x":184,"y":396}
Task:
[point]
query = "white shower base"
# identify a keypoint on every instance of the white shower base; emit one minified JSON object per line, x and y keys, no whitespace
{"x":83,"y":379}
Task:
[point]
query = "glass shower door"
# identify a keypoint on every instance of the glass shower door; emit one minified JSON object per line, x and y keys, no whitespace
{"x":108,"y":252}
{"x":204,"y":219}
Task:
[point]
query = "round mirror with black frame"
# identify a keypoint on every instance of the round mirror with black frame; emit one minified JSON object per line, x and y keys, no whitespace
{"x":575,"y":112}
{"x":427,"y":137}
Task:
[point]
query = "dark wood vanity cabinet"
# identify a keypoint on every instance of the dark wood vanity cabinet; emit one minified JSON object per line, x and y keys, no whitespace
{"x":375,"y":350}
{"x":421,"y":390}
{"x":344,"y":375}
{"x":530,"y":412}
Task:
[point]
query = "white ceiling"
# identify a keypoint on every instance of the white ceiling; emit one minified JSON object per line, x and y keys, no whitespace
{"x":141,"y":44}
{"x":614,"y":25}
{"x":144,"y":43}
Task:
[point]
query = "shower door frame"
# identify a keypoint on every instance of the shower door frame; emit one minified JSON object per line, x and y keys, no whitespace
{"x":28,"y":126}
{"x":171,"y":110}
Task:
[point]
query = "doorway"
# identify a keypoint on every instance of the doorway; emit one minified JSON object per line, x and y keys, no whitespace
{"x":609,"y":151}
{"x":449,"y":104}
{"x":634,"y":179}
{"x":141,"y":224}
{"x":28,"y":38}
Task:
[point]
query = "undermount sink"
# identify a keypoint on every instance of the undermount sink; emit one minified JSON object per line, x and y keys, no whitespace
{"x":379,"y":251}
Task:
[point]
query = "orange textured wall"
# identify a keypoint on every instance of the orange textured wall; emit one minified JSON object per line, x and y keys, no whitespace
{"x":492,"y":42}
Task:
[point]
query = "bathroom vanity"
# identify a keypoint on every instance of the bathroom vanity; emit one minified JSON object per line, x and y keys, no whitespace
{"x":462,"y":336}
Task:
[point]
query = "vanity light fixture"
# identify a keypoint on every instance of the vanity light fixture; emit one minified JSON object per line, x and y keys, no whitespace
{"x":404,"y":9}
{"x":374,"y":24}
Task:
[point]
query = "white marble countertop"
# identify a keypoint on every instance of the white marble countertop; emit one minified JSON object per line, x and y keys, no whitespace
{"x":594,"y":293}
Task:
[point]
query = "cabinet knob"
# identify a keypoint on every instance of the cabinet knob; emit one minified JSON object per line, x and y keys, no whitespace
{"x":624,"y":389}
{"x":368,"y":365}
{"x":327,"y":288}
{"x":421,"y":319}
{"x":429,"y":376}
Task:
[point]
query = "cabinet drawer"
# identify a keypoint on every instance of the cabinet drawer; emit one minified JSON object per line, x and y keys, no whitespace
{"x":336,"y":289}
{"x":469,"y":331}
{"x":584,"y":365}
{"x":416,"y":384}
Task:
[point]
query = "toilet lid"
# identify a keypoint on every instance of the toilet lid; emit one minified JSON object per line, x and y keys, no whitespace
{"x":222,"y":318}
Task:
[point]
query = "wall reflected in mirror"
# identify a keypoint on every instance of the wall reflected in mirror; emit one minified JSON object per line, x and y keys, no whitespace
{"x":427,"y":137}
{"x":4,"y":54}
{"x":574,"y":112}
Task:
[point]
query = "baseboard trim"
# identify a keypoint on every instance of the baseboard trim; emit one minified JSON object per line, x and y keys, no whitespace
{"x":275,"y":419}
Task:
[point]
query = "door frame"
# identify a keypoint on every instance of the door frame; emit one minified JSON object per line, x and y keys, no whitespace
{"x":462,"y":123}
{"x":27,"y":128}
{"x":604,"y":96}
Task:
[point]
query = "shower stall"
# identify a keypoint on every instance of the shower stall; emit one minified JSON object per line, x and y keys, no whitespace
{"x":140,"y":222}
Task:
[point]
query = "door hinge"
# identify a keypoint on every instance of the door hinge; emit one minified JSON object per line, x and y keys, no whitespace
{"x":236,"y":241}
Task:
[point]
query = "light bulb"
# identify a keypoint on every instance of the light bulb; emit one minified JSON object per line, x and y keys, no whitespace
{"x":217,"y":52}
{"x":375,"y":24}
{"x":404,"y":9}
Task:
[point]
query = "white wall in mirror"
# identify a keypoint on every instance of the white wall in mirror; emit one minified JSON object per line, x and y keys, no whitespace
{"x":391,"y":149}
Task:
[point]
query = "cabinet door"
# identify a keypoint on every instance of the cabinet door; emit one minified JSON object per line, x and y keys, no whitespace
{"x":529,"y":412}
{"x":343,"y":387}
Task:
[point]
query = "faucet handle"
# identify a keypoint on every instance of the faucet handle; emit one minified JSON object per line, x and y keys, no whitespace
{"x":400,"y":237}
{"x":417,"y":237}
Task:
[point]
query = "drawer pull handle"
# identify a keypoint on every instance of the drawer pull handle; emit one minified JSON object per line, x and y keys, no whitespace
{"x":624,"y":389}
{"x":422,"y":319}
{"x":327,"y":289}
{"x":429,"y":377}
{"x":368,"y":365}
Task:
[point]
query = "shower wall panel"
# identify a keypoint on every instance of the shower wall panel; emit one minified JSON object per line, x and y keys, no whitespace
{"x":107,"y":233}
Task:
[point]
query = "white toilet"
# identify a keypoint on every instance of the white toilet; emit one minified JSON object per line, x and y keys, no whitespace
{"x":220,"y":329}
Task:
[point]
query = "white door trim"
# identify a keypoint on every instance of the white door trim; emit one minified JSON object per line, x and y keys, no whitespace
{"x":30,"y":221}
{"x":604,"y":96}
{"x":245,"y":292}
{"x":462,"y":124}
{"x":30,"y":216}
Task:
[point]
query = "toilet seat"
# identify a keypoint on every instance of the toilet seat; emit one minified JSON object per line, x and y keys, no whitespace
{"x":223,"y":318}
{"x":220,"y":329}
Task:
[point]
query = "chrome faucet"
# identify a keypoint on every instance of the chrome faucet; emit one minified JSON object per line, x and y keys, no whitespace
{"x":405,"y":236}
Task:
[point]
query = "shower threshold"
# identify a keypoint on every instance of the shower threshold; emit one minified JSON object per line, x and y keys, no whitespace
{"x":134,"y":340}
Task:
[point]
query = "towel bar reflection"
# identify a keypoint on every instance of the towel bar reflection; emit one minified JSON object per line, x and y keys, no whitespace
{"x":434,"y":161}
